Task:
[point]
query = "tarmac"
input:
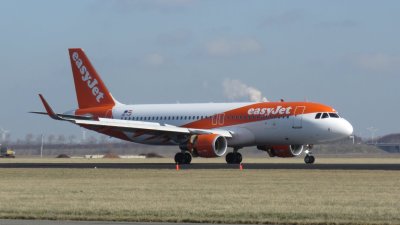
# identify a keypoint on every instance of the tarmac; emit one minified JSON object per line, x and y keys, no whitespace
{"x":203,"y":166}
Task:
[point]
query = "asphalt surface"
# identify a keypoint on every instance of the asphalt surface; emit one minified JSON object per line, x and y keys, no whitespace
{"x":57,"y":222}
{"x":194,"y":166}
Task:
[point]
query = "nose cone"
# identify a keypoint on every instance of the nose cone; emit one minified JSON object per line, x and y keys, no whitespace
{"x":346,"y":129}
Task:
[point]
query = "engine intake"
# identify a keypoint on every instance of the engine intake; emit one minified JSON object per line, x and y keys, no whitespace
{"x":210,"y":145}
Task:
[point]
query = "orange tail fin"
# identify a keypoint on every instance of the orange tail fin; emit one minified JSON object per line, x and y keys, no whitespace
{"x":90,"y":89}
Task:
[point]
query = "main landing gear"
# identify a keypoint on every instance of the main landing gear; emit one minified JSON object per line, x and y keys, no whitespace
{"x":183,"y":157}
{"x":233,"y":157}
{"x":309,"y":158}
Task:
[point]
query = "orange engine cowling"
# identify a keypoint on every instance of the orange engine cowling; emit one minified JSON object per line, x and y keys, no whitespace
{"x":210,"y":145}
{"x":283,"y":151}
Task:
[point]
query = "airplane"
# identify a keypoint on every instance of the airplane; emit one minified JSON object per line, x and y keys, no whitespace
{"x":282,"y":129}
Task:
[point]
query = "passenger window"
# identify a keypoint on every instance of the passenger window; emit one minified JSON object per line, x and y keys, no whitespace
{"x":325,"y":115}
{"x":333,"y":115}
{"x":318,"y":116}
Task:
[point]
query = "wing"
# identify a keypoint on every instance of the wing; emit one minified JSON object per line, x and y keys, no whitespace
{"x":134,"y":126}
{"x":156,"y":129}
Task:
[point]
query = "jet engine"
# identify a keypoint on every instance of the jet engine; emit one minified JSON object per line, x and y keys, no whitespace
{"x":283,"y":151}
{"x":209,"y":145}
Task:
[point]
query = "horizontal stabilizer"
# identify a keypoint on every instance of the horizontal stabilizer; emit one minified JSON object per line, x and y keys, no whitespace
{"x":56,"y":116}
{"x":66,"y":116}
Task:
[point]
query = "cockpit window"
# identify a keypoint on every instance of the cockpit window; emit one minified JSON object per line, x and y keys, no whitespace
{"x":318,"y":116}
{"x":325,"y":115}
{"x":334,"y":115}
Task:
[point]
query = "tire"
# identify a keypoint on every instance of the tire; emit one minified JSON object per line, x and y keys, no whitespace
{"x":238,"y":158}
{"x":312,"y":159}
{"x":229,"y":158}
{"x":179,"y":158}
{"x":187,"y":158}
{"x":307,"y":159}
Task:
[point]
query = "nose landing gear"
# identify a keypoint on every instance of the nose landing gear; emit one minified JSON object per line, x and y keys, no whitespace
{"x":309,"y":158}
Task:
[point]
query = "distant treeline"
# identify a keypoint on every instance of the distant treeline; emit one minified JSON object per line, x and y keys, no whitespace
{"x":55,"y":145}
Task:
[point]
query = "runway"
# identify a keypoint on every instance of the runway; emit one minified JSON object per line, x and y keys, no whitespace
{"x":203,"y":166}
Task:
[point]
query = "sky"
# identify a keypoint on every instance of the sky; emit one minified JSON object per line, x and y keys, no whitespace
{"x":345,"y":54}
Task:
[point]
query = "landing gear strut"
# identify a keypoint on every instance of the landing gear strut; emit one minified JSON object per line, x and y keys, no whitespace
{"x":309,"y":158}
{"x":233,"y":157}
{"x":183,"y":157}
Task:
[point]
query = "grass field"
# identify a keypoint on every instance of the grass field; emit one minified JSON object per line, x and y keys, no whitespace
{"x":217,"y":196}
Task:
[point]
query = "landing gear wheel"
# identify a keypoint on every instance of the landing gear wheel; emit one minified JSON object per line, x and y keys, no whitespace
{"x":183,"y":158}
{"x":187,"y":158}
{"x":233,"y":158}
{"x":309,"y":159}
{"x":179,"y":158}
{"x":238,"y":158}
{"x":229,"y":158}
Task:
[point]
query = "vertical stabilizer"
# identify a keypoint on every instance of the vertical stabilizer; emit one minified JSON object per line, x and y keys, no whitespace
{"x":90,"y":89}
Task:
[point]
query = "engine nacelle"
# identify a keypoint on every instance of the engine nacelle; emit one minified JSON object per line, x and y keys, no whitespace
{"x":283,"y":151}
{"x":210,"y":145}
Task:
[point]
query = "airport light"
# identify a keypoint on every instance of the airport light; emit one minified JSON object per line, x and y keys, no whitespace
{"x":41,"y":147}
{"x":372,"y":130}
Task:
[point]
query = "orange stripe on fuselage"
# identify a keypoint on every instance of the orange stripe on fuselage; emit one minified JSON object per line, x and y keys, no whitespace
{"x":262,"y":111}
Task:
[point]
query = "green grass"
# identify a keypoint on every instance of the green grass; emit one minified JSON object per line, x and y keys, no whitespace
{"x":216,"y":196}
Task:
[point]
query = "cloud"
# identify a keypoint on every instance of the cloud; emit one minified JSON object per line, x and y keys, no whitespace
{"x":285,"y":18}
{"x":154,"y":59}
{"x":225,"y":47}
{"x":378,"y":62}
{"x":237,"y":90}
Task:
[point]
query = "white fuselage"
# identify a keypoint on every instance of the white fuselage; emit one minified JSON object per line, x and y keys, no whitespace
{"x":272,"y":130}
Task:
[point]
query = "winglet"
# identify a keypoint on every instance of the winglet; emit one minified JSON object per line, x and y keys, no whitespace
{"x":49,"y":110}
